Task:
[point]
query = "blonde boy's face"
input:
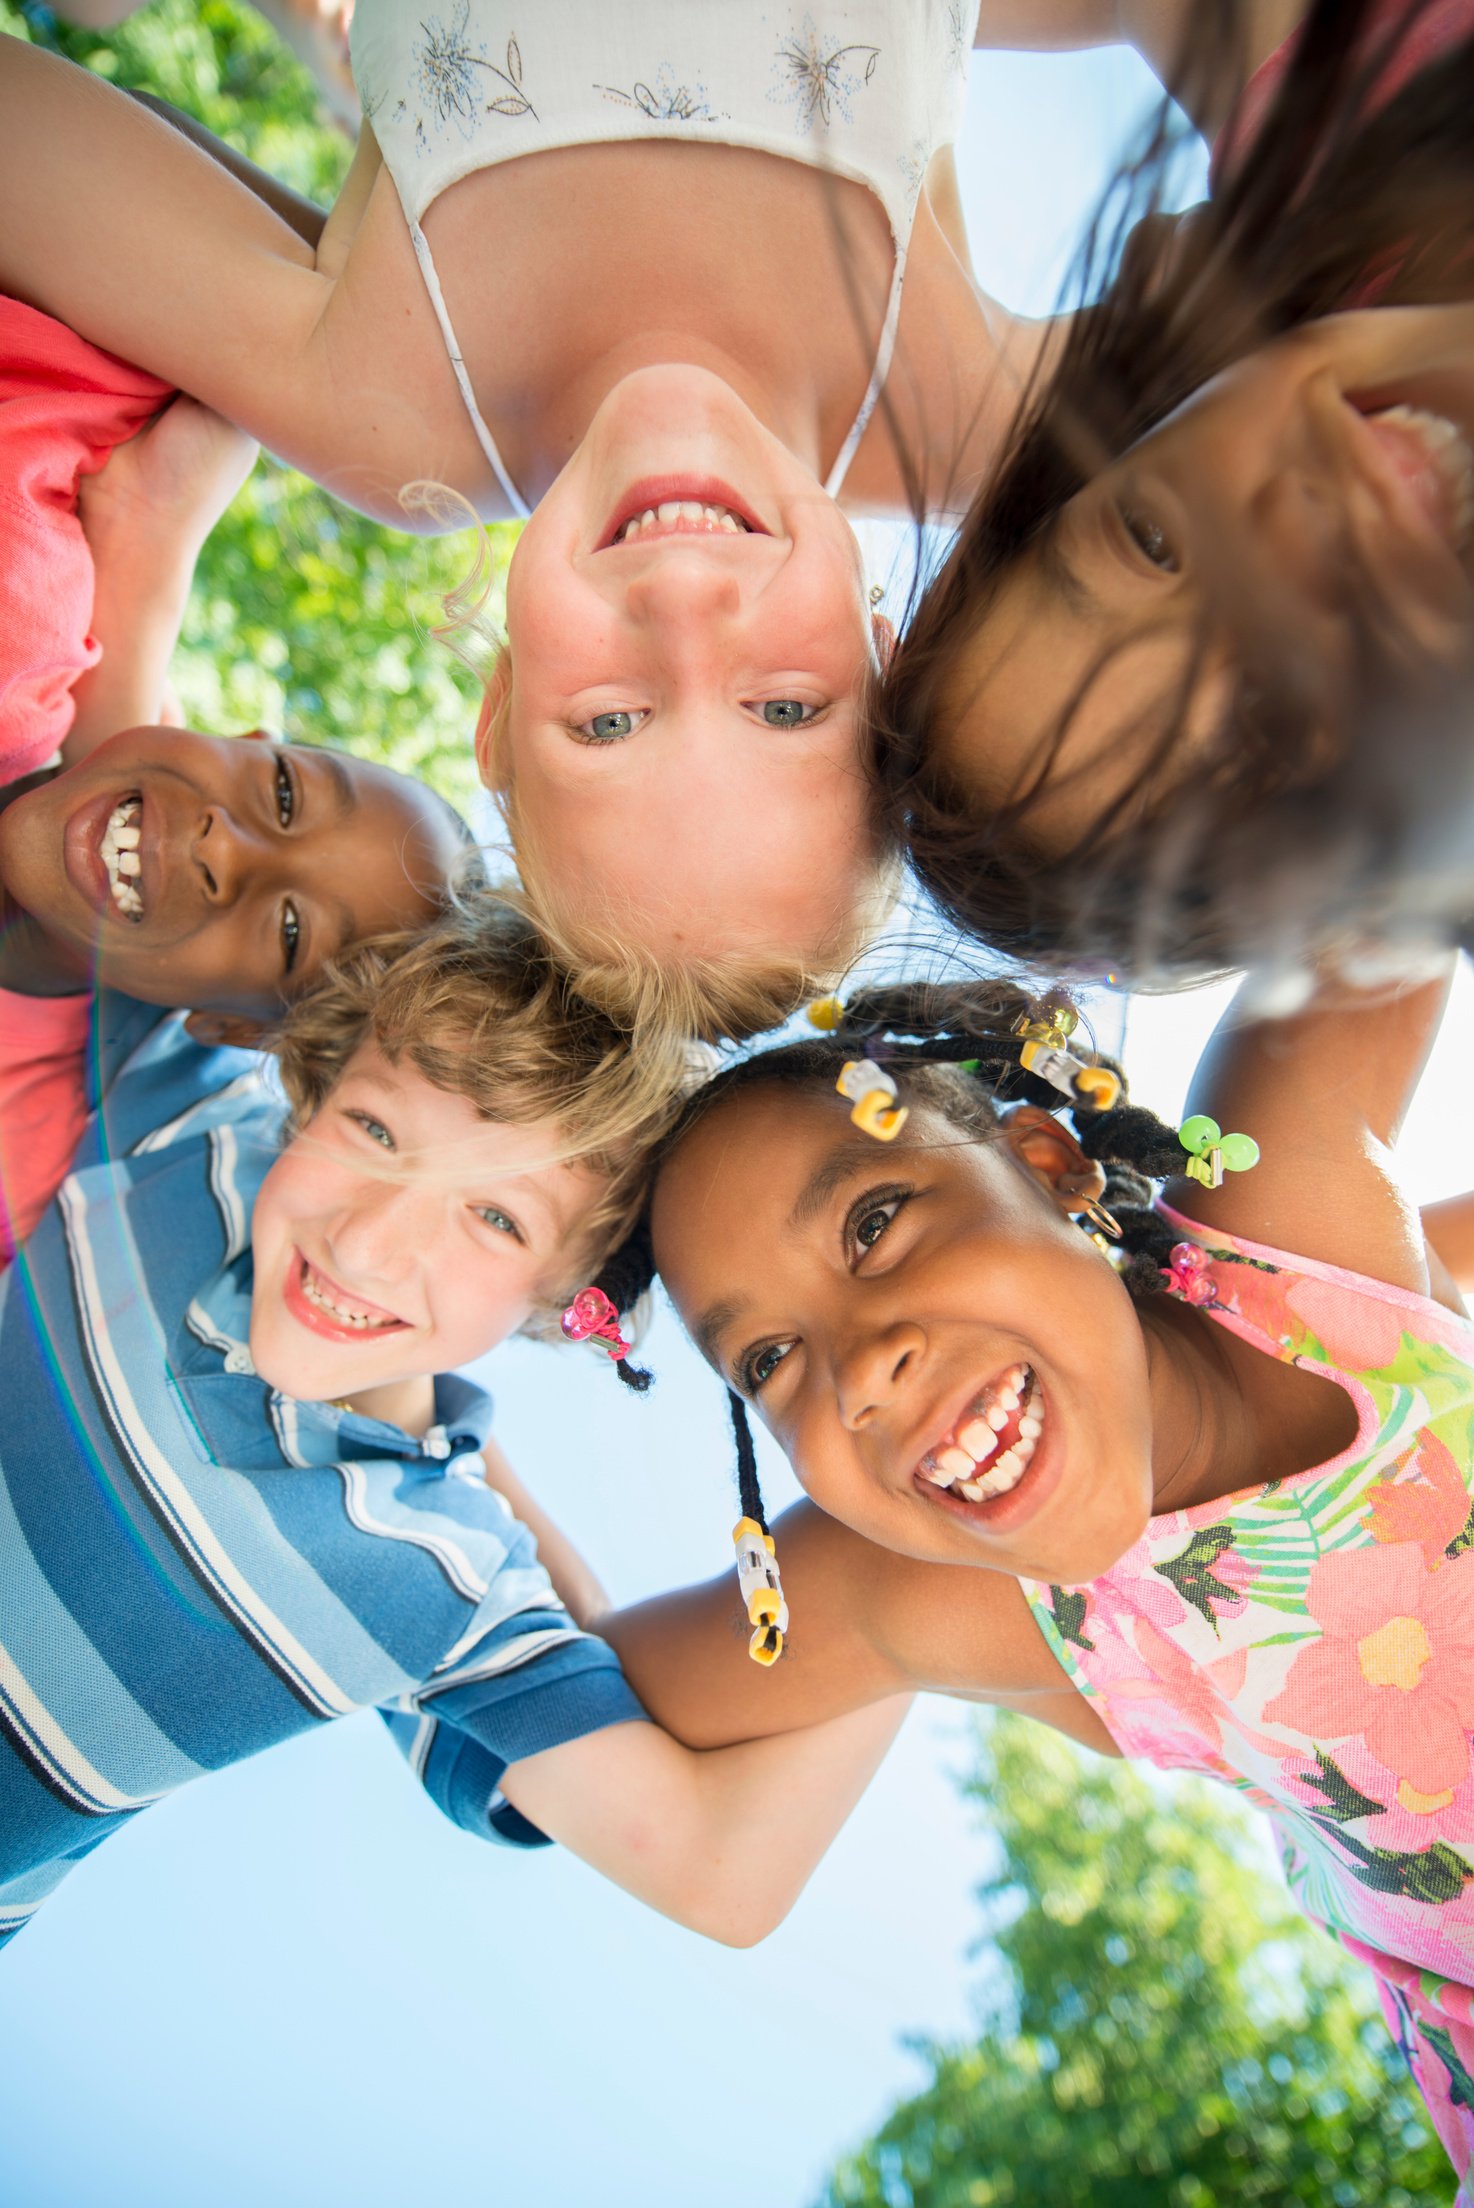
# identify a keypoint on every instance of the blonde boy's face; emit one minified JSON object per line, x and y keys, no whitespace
{"x":401,"y":1235}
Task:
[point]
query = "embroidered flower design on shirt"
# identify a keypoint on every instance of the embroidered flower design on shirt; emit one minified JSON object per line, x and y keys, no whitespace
{"x":453,"y":76}
{"x":820,"y":77}
{"x":1394,"y":1665}
{"x":957,"y":24}
{"x":663,"y":100}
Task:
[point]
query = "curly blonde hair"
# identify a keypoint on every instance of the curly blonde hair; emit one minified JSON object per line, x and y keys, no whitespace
{"x":478,"y":1005}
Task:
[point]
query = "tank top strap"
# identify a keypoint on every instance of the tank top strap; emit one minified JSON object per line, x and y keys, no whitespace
{"x":520,"y":508}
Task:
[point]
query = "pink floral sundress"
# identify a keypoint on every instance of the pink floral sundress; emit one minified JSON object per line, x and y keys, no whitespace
{"x":1311,"y":1641}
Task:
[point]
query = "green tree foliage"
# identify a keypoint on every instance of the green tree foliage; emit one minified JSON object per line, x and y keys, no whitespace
{"x":1162,"y":2029}
{"x":305,"y":616}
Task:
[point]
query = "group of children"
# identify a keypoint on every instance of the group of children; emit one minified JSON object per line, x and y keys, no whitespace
{"x":300,"y":1112}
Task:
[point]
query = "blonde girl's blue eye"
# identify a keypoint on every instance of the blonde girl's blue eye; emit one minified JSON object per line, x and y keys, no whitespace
{"x":373,"y":1128}
{"x":786,"y":712}
{"x":609,"y":728}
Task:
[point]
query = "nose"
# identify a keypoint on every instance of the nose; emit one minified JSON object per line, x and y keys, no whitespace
{"x":876,"y":1370}
{"x":374,"y":1236}
{"x":1299,"y":517}
{"x":232,"y":856}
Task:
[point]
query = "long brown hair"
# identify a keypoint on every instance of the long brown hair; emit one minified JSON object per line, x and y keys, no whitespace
{"x":1287,"y":835}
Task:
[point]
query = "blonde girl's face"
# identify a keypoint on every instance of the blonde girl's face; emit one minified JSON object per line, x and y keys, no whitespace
{"x":688,"y":639}
{"x":875,"y":1303}
{"x":1316,"y":497}
{"x":401,"y":1235}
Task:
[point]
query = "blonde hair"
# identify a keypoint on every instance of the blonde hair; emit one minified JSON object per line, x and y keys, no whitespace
{"x":478,"y":1005}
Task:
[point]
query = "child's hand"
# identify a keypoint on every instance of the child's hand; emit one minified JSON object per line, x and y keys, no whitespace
{"x":165,"y":489}
{"x":145,"y":516}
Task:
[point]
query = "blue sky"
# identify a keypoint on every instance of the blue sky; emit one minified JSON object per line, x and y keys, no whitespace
{"x":296,"y":1986}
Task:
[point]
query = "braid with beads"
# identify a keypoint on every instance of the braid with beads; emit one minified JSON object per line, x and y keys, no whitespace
{"x":624,"y":1278}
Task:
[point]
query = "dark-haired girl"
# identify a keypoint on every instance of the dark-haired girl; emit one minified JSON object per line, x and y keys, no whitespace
{"x":1172,"y":1489}
{"x":1196,"y":686}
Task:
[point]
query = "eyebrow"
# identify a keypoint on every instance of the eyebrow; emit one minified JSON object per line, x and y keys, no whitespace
{"x":711,"y":1326}
{"x":342,"y":781}
{"x":842,"y":1163}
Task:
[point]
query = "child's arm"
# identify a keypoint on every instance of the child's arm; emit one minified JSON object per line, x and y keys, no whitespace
{"x":146,"y":516}
{"x":1323,"y":1094}
{"x":574,"y":1580}
{"x":1449,"y":1230}
{"x":866,"y":1623}
{"x":725,"y":1840}
{"x":119,"y":226}
{"x":303,"y":215}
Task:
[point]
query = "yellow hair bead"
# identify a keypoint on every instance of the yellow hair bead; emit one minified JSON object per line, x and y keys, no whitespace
{"x":826,"y":1013}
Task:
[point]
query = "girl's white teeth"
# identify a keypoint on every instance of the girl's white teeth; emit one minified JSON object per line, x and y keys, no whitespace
{"x":1449,"y":451}
{"x":953,"y":1465}
{"x":119,"y":853}
{"x":978,"y":1439}
{"x":690,"y":513}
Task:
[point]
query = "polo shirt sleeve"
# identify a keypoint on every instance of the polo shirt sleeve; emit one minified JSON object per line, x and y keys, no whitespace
{"x":529,"y":1680}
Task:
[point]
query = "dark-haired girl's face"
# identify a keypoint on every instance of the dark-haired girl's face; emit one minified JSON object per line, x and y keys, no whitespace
{"x":1311,"y":504}
{"x":893,"y":1310}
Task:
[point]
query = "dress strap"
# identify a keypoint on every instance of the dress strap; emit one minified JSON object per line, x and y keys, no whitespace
{"x":834,"y":481}
{"x":484,"y":437}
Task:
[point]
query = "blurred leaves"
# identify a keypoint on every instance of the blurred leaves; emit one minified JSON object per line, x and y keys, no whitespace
{"x":1161,"y":2028}
{"x":305,"y":616}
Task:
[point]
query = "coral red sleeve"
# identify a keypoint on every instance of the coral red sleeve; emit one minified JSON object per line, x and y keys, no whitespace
{"x":63,"y":407}
{"x":43,"y":1109}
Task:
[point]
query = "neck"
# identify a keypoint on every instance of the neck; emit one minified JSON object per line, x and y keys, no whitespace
{"x":1226,"y":1415}
{"x":1206,"y":1436}
{"x":407,"y":1403}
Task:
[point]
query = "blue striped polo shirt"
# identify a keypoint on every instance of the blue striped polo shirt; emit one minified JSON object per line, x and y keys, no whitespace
{"x":193,"y":1566}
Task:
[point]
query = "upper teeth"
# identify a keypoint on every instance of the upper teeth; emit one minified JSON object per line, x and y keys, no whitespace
{"x":689,"y":513}
{"x":1449,"y":452}
{"x":953,"y":1461}
{"x":119,"y":848}
{"x":346,"y":1314}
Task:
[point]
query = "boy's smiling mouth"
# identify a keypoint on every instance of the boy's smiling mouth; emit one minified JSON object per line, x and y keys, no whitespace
{"x":991,"y":1446}
{"x":119,"y":853}
{"x":317,"y":1302}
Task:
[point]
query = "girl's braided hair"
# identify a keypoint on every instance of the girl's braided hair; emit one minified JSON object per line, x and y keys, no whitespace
{"x":955,"y":1047}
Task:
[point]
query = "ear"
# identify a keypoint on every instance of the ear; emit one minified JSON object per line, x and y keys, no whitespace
{"x":492,"y":763}
{"x":1050,"y":1153}
{"x":232,"y":1030}
{"x":883,"y":637}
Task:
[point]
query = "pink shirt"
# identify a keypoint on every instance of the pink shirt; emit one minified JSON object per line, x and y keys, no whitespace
{"x":63,"y":407}
{"x":42,"y":1105}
